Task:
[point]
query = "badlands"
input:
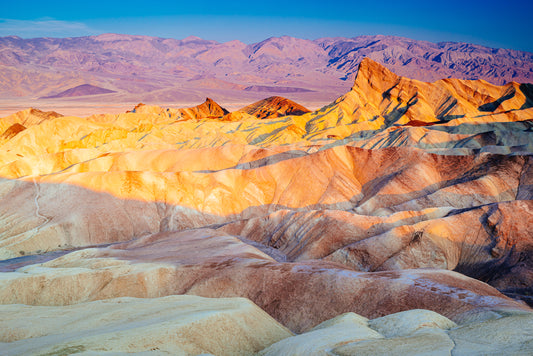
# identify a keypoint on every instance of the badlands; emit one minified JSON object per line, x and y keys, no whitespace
{"x":395,"y":220}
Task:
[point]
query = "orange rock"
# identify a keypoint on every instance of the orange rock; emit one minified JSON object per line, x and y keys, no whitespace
{"x":274,"y":106}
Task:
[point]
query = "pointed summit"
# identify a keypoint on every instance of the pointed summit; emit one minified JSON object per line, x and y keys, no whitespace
{"x":371,"y":73}
{"x":209,"y":109}
{"x":275,"y":106}
{"x":212,"y":109}
{"x":378,"y":92}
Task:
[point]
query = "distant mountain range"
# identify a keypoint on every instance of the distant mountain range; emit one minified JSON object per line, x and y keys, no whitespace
{"x":151,"y":69}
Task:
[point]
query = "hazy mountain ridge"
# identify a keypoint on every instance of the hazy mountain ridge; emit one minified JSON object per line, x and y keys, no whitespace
{"x":142,"y":68}
{"x":80,"y":90}
{"x":432,"y":61}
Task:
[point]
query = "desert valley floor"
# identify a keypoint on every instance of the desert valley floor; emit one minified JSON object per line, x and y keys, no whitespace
{"x":395,"y":220}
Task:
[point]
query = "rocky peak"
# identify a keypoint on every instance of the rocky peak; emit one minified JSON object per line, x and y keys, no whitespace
{"x":274,"y":106}
{"x":371,"y":73}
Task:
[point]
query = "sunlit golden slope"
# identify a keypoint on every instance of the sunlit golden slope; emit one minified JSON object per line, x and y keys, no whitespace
{"x":381,"y":110}
{"x":309,"y":215}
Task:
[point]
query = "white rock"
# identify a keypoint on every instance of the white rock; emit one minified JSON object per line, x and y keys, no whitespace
{"x":179,"y":325}
{"x":423,"y":342}
{"x":407,"y":322}
{"x":348,"y":327}
{"x":509,"y":335}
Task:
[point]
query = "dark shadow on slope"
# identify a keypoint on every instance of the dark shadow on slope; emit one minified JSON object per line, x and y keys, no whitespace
{"x":507,"y":272}
{"x":483,"y":139}
{"x":523,"y":294}
{"x":444,"y":109}
{"x":525,"y":188}
{"x":490,"y":107}
{"x":398,"y":111}
{"x":474,"y":170}
{"x":265,"y":161}
{"x":12,"y":264}
{"x":447,"y":118}
{"x":473,"y":128}
{"x":387,"y":93}
{"x":527,"y":90}
{"x":508,"y":269}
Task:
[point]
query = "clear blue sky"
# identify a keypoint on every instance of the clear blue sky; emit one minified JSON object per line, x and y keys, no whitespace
{"x":504,"y":23}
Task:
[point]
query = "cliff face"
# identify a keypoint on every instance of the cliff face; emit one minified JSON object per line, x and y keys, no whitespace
{"x":399,"y":195}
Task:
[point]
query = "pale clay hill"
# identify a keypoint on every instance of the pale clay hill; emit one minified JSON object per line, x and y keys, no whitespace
{"x":158,"y":70}
{"x":394,"y":220}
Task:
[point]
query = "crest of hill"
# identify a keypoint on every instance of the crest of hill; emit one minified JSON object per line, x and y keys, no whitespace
{"x":274,"y":106}
{"x":29,"y":117}
{"x":378,"y":92}
{"x":379,"y":99}
{"x":80,"y":90}
{"x":209,"y":109}
{"x":12,"y":125}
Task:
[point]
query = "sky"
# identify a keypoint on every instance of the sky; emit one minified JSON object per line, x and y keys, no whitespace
{"x":502,"y":24}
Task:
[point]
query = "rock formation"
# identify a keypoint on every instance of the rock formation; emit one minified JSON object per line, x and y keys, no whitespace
{"x":273,"y":107}
{"x":208,"y":109}
{"x":401,"y":196}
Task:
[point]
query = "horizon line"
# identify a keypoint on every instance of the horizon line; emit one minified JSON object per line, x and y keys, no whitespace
{"x":251,"y":43}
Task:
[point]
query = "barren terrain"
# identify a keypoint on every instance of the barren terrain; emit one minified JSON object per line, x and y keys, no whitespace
{"x":395,"y":219}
